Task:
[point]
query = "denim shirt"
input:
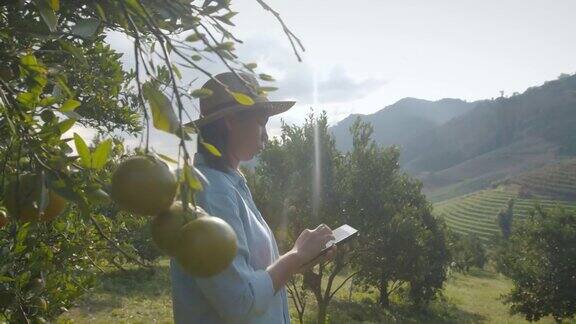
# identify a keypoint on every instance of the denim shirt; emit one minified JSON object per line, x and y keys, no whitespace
{"x":243,"y":293}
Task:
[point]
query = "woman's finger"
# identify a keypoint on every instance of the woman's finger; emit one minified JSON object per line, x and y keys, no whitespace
{"x":330,"y":254}
{"x":329,"y":237}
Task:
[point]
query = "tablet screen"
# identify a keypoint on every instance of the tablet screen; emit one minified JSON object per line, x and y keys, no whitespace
{"x":342,"y":234}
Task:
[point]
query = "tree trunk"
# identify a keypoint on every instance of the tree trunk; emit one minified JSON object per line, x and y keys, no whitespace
{"x":321,"y":316}
{"x":301,"y":318}
{"x":383,"y":288}
{"x":350,"y":289}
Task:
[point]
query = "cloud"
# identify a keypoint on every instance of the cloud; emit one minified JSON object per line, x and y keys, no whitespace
{"x":296,"y":79}
{"x":336,"y":87}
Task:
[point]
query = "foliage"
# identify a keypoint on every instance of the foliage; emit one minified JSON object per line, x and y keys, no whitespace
{"x":505,"y":219}
{"x":467,"y":251}
{"x":401,"y":241}
{"x":365,"y":188}
{"x":539,"y":258}
{"x":57,"y":73}
{"x":296,"y":191}
{"x":46,"y":262}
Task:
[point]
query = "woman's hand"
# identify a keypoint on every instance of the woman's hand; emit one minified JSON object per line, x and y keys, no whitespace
{"x":309,"y":245}
{"x":303,"y":255}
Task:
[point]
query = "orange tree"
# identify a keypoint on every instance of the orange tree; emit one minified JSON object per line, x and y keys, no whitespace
{"x":58,"y":73}
{"x":296,"y":191}
{"x":401,"y":245}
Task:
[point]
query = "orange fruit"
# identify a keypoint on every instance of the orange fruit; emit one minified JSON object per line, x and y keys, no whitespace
{"x":166,"y":226}
{"x":41,"y":303}
{"x":143,"y":185}
{"x":3,"y":219}
{"x":23,"y":197}
{"x":207,"y":246}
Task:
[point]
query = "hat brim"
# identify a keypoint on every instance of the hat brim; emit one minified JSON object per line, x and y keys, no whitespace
{"x":269,"y":108}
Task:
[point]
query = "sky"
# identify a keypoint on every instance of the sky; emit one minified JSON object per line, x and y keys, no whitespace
{"x":366,"y":54}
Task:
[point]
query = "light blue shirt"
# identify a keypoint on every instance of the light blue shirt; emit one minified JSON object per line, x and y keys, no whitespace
{"x":243,"y":293}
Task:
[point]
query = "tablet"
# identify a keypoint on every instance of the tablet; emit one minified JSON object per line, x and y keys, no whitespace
{"x":342,"y":235}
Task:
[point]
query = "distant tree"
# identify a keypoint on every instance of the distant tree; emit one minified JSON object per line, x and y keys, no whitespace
{"x":285,"y":191}
{"x":540,"y":258}
{"x":401,"y":242}
{"x":505,"y":219}
{"x":467,"y":251}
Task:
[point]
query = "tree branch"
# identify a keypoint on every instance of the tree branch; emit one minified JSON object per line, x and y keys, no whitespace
{"x":343,"y":283}
{"x":115,"y":245}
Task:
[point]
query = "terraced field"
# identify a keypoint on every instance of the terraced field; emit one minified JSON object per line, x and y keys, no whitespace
{"x":477,"y":212}
{"x":557,"y":181}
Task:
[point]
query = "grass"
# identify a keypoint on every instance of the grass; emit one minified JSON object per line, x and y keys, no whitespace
{"x":141,"y":296}
{"x":476,"y":212}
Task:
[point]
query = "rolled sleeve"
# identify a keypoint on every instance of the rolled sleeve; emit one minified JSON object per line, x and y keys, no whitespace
{"x":240,"y":291}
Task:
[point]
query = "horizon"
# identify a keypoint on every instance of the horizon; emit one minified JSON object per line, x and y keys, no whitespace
{"x":447,"y":50}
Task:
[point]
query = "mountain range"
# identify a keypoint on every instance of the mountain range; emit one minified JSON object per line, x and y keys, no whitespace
{"x":456,"y":147}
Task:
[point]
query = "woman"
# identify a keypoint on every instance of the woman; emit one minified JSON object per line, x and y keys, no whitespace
{"x":251,"y":289}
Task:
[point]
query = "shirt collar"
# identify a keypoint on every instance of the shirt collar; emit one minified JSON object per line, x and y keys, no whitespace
{"x":235,"y":175}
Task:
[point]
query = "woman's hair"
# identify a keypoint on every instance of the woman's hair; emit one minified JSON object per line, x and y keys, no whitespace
{"x":216,"y":133}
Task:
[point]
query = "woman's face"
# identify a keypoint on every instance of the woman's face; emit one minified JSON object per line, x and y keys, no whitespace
{"x":246,"y":135}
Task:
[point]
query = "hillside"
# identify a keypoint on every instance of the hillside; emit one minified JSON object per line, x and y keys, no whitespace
{"x":540,"y":117}
{"x":476,"y":213}
{"x":402,"y":121}
{"x":456,"y":147}
{"x":556,"y":180}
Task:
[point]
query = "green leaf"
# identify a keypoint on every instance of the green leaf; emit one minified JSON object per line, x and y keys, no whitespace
{"x":28,"y":99}
{"x":210,"y":10}
{"x":191,"y":179}
{"x":177,"y":71}
{"x":65,"y":125}
{"x":86,"y":28}
{"x":101,"y":154}
{"x":29,"y":62}
{"x":6,"y":279}
{"x":226,"y":18}
{"x":242,"y":98}
{"x":61,"y":86}
{"x":136,"y":7}
{"x":99,"y":197}
{"x":267,"y":89}
{"x":251,"y":66}
{"x":167,"y":158}
{"x":201,"y":93}
{"x":55,"y":5}
{"x":83,"y":151}
{"x":266,"y":77}
{"x":48,"y":101}
{"x":194,"y":37}
{"x":22,"y":233}
{"x":163,"y":116}
{"x":72,"y":114}
{"x":70,"y":105}
{"x":47,"y":14}
{"x":100,"y":12}
{"x":74,"y":50}
{"x":212,"y":149}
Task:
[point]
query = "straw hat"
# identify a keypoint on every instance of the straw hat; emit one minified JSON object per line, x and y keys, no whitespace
{"x":221,"y":103}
